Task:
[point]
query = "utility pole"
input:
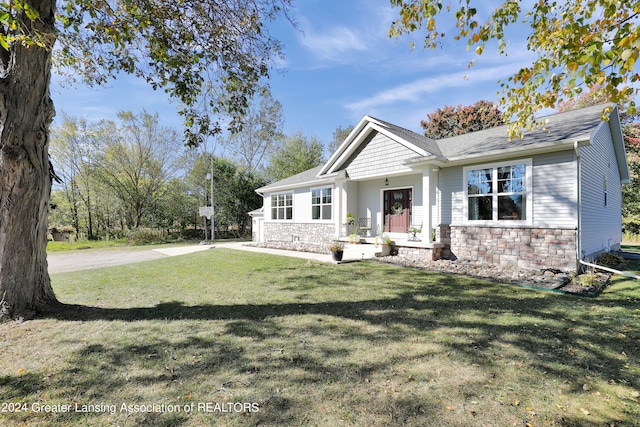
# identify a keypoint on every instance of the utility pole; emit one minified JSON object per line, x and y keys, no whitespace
{"x":212,"y":208}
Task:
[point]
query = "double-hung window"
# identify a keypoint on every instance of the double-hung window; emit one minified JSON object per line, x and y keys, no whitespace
{"x":321,"y":203}
{"x":498,"y":192}
{"x":282,"y":206}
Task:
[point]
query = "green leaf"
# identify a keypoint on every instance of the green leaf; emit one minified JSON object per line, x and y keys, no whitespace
{"x":3,"y":42}
{"x":31,"y":13}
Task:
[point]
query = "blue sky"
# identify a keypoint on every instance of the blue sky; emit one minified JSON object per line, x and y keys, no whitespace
{"x":339,"y":65}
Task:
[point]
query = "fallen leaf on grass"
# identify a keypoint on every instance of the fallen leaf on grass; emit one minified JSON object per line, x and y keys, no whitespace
{"x":584,"y":411}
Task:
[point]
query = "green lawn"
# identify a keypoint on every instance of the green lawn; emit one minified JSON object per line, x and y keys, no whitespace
{"x":276,"y":341}
{"x":85,"y":244}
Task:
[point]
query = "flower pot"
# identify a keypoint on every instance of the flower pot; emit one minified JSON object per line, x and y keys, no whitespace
{"x":61,"y":236}
{"x":386,"y":250}
{"x":337,"y":255}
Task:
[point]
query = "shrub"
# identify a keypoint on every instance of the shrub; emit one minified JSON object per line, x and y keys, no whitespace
{"x":586,"y":280}
{"x":611,"y":259}
{"x":145,"y":237}
{"x":631,"y":225}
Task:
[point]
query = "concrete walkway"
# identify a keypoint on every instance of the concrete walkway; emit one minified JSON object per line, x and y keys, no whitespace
{"x":351,"y":252}
{"x":241,"y":246}
{"x":85,"y":260}
{"x":63,"y":262}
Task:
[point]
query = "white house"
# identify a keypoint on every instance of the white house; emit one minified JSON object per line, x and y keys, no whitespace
{"x":545,"y":200}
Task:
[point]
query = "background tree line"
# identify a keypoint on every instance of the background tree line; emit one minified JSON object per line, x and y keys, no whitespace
{"x":133,"y":177}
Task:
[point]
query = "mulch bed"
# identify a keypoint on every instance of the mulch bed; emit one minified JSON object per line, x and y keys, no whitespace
{"x":597,"y":283}
{"x":586,"y":285}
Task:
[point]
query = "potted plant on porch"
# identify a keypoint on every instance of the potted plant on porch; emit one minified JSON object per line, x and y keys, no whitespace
{"x":337,"y":250}
{"x":385,"y":243}
{"x":414,"y":231}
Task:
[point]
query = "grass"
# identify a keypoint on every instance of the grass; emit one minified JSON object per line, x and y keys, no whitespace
{"x":85,"y":244}
{"x":120,"y":244}
{"x":630,"y":247}
{"x":301,"y":343}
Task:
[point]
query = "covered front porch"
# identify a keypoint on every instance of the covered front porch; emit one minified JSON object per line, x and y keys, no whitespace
{"x":369,"y":247}
{"x":400,"y":207}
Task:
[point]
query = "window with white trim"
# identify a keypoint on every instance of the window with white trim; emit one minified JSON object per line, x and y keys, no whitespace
{"x":321,"y":203}
{"x":498,"y":192}
{"x":282,"y":206}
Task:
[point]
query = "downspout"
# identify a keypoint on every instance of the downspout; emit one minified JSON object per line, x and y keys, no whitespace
{"x":576,"y":148}
{"x":611,"y":270}
{"x":579,"y":232}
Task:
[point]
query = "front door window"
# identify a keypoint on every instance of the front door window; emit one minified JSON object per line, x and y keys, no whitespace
{"x":397,"y":210}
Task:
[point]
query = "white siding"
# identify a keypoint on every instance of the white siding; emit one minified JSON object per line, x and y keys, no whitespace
{"x":369,"y":198}
{"x":601,"y":225}
{"x":451,"y":195}
{"x":555,"y":190}
{"x":378,"y":154}
{"x":301,"y":206}
{"x":369,"y":202}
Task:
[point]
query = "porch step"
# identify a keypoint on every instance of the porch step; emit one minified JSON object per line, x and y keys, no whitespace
{"x":361,"y":251}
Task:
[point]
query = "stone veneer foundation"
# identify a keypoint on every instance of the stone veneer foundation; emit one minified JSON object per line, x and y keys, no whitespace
{"x":524,"y":247}
{"x":429,"y":254}
{"x":317,"y":234}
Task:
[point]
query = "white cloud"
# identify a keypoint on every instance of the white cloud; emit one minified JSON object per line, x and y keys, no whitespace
{"x":333,"y":44}
{"x":454,"y":78}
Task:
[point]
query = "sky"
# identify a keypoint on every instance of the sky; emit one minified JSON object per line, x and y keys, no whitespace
{"x":339,"y":65}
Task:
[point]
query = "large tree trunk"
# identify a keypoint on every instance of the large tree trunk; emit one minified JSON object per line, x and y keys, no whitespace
{"x":26,"y":112}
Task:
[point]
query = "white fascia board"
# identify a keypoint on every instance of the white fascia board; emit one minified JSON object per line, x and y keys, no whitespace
{"x":345,"y":144}
{"x":418,"y":162}
{"x":402,"y":141}
{"x":348,"y":150}
{"x":618,"y":145}
{"x":351,"y":144}
{"x":377,"y":175}
{"x":308,"y":184}
{"x":551,"y":147}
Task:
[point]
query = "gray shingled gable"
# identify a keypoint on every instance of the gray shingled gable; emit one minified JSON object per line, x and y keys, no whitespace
{"x":420,"y":141}
{"x":571,"y":125}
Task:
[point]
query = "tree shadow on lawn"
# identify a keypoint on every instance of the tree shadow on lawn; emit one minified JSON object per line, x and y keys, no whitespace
{"x":567,"y":338}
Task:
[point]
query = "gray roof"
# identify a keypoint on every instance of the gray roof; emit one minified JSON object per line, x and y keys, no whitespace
{"x":576,"y":125}
{"x":420,"y":141}
{"x":571,"y":125}
{"x":301,"y":178}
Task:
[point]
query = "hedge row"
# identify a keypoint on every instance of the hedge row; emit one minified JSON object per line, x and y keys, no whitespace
{"x":631,"y":225}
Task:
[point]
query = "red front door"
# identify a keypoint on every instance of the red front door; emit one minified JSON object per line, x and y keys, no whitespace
{"x":397,"y":210}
